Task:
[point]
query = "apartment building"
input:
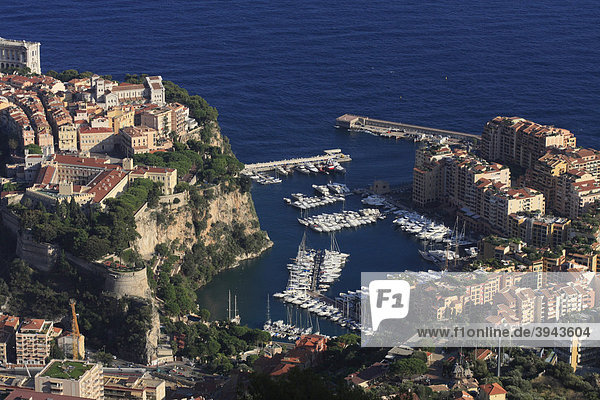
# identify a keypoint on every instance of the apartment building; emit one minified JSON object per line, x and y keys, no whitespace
{"x":96,"y":140}
{"x":121,"y":117}
{"x":442,"y":174}
{"x":67,"y":137}
{"x":26,"y":394}
{"x":159,"y":118}
{"x":166,"y":177}
{"x":137,"y":139}
{"x":493,"y":202}
{"x":478,"y":188}
{"x":576,"y":190}
{"x":539,"y":230}
{"x":33,"y":342}
{"x":517,"y":141}
{"x":133,"y":386}
{"x":179,"y":118}
{"x":151,"y":90}
{"x":71,"y":378}
{"x":428,"y":174}
{"x":8,"y":330}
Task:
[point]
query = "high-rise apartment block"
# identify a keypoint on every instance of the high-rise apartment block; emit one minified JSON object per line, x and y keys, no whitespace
{"x":33,"y":342}
{"x":517,"y":141}
{"x":479,"y":189}
{"x":71,"y":378}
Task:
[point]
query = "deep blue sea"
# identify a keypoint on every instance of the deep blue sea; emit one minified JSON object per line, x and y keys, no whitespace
{"x":281,"y":72}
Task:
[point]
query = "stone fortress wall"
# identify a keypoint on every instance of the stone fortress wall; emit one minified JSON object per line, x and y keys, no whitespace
{"x":42,"y":256}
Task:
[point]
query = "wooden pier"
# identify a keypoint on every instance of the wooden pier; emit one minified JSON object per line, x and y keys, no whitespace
{"x":333,"y":154}
{"x":396,"y":129}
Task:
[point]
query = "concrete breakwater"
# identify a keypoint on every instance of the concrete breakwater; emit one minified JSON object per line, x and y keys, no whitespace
{"x":333,"y":154}
{"x":396,"y":129}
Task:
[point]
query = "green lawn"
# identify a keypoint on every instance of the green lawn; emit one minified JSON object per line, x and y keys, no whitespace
{"x":67,"y":369}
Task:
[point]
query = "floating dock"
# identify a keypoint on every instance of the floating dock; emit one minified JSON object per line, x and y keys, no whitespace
{"x":396,"y":129}
{"x":333,"y":154}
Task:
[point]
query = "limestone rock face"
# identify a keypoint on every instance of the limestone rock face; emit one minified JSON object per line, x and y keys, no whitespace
{"x":175,"y":224}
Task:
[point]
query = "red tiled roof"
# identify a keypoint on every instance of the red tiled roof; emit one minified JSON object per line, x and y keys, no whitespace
{"x":32,"y":324}
{"x":8,"y":321}
{"x":84,"y":130}
{"x":102,"y":184}
{"x":141,"y":170}
{"x":26,"y":394}
{"x":84,"y":161}
{"x":127,"y":86}
{"x":282,"y":369}
{"x":492,"y":389}
{"x":482,"y":354}
{"x":45,"y":175}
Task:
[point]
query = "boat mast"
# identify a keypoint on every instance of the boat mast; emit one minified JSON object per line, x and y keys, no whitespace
{"x":456,"y":252}
{"x":229,"y":305}
{"x":334,"y":246}
{"x":235,"y":310}
{"x":268,"y":309}
{"x":447,"y":248}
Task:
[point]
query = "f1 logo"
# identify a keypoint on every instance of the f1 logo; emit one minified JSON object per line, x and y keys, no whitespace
{"x":389,"y":299}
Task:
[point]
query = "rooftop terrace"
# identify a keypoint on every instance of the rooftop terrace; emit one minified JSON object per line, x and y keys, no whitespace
{"x":66,"y":369}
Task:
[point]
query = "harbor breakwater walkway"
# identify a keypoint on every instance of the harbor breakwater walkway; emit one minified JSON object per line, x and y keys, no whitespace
{"x":333,"y":154}
{"x":396,"y":129}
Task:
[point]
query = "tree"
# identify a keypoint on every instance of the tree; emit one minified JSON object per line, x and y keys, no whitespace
{"x":33,"y":148}
{"x":408,"y":367}
{"x":105,"y":358}
{"x":13,"y":144}
{"x":56,"y":352}
{"x":480,"y":370}
{"x":205,"y":314}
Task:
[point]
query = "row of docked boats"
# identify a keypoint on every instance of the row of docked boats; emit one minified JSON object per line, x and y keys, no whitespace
{"x":280,"y":329}
{"x":327,"y":167}
{"x":422,"y":227}
{"x":332,"y":189}
{"x":264,"y":179}
{"x":345,"y":219}
{"x":439,"y":255}
{"x":334,"y":311}
{"x":375,"y":200}
{"x":306,"y":203}
{"x":311,"y":274}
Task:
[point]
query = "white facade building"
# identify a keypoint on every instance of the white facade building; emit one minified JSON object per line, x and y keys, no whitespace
{"x":20,"y":53}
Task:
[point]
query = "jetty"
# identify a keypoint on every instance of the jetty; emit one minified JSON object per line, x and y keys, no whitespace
{"x":396,"y":129}
{"x":328,"y":156}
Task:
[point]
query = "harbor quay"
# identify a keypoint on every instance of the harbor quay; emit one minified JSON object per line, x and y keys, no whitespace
{"x":396,"y":129}
{"x":329,"y":155}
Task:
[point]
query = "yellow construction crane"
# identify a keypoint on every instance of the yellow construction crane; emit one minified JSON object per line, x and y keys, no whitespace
{"x":75,"y":329}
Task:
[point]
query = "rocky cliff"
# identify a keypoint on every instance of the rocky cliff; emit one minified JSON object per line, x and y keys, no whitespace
{"x":214,"y":213}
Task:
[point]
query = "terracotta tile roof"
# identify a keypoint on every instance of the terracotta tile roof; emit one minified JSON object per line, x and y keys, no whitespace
{"x":102,"y":184}
{"x":86,"y":130}
{"x":141,"y":170}
{"x":26,"y":394}
{"x":9,"y":321}
{"x":492,"y":389}
{"x":127,"y":86}
{"x":45,"y":175}
{"x":83,"y":161}
{"x":368,"y":374}
{"x":32,"y":325}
